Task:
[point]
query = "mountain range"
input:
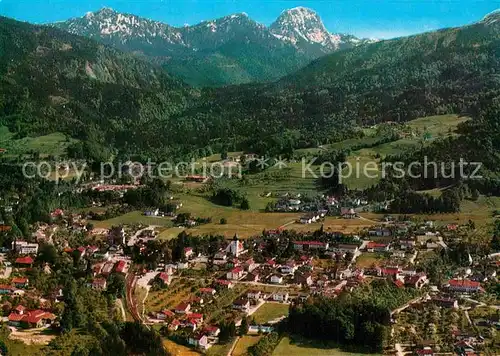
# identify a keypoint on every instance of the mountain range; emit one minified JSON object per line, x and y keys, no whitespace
{"x":230,"y":50}
{"x":114,"y":102}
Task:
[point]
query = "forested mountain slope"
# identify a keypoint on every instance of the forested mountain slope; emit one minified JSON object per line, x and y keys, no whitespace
{"x":233,"y":49}
{"x":447,"y":71}
{"x":54,"y":81}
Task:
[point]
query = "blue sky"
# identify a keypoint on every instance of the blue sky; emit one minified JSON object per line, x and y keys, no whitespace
{"x":364,"y":18}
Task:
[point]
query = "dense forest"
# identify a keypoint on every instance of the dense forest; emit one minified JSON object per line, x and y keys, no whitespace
{"x":359,"y":320}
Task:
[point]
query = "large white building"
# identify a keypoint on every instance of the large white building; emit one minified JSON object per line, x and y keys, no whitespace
{"x":235,"y":247}
{"x":24,"y":247}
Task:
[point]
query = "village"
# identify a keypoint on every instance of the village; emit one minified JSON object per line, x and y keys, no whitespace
{"x":200,"y":292}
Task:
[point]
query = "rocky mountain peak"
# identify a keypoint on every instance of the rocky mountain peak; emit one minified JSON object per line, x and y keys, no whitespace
{"x":492,"y":18}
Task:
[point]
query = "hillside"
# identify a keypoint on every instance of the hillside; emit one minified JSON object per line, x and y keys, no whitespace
{"x":53,"y":81}
{"x":443,"y":72}
{"x":57,"y":82}
{"x":230,"y":50}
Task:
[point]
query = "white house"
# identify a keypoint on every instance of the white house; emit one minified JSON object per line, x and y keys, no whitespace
{"x":242,"y":304}
{"x":345,"y":248}
{"x":280,"y":297}
{"x":276,"y":279}
{"x":254,"y":294}
{"x":200,"y":341}
{"x":235,"y":247}
{"x":310,"y":218}
{"x":289,"y":268}
{"x":235,"y":274}
{"x":24,"y":247}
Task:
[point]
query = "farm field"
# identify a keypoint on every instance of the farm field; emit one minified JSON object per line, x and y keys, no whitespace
{"x":169,"y":297}
{"x":175,"y":349}
{"x":332,"y":223}
{"x":244,"y":343}
{"x":368,"y":259}
{"x":288,"y":348}
{"x":270,"y":311}
{"x":292,"y":179}
{"x":480,"y":211}
{"x":424,"y":130}
{"x":245,"y":223}
{"x":134,"y":217}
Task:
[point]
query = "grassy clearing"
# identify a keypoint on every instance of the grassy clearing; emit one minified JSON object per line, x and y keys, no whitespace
{"x":480,"y":211}
{"x":167,"y":298}
{"x":19,"y":348}
{"x":53,"y":144}
{"x":368,"y":259}
{"x":245,"y":223}
{"x":292,"y":179}
{"x":244,"y":343}
{"x":270,"y":311}
{"x":218,"y":350}
{"x":287,"y":347}
{"x":249,"y":223}
{"x":134,"y":217}
{"x":436,"y":125}
{"x":423,"y":131}
{"x":178,"y":350}
{"x":332,"y":224}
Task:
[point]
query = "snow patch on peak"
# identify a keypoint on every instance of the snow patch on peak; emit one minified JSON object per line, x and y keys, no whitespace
{"x":299,"y":9}
{"x":492,"y":17}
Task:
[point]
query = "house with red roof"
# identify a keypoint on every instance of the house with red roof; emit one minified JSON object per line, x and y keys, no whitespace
{"x":211,"y":330}
{"x":393,"y":272}
{"x":165,"y":278}
{"x":107,"y":268}
{"x":20,"y":282}
{"x":250,"y":265}
{"x":416,"y":281}
{"x":182,"y":308}
{"x":164,"y":314}
{"x":289,"y":267}
{"x":6,"y":289}
{"x":196,"y":316}
{"x":26,"y":261}
{"x":57,"y":213}
{"x":225,"y":283}
{"x":196,"y":178}
{"x":235,"y":274}
{"x":207,"y":291}
{"x":96,"y":269}
{"x":121,"y":267}
{"x":174,"y":325}
{"x":463,"y":285}
{"x":270,"y":263}
{"x":188,"y":252}
{"x":303,"y":279}
{"x":399,"y":283}
{"x":21,"y":317}
{"x":376,"y":247}
{"x":425,"y":351}
{"x":99,"y":284}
